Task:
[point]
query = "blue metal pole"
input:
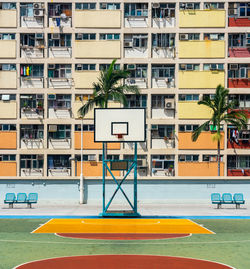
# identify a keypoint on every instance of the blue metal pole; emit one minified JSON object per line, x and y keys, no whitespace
{"x":103,"y":179}
{"x":135,"y":179}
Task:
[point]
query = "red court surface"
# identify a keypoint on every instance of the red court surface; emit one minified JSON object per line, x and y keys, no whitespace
{"x":122,"y":262}
{"x":103,"y":236}
{"x":119,"y":236}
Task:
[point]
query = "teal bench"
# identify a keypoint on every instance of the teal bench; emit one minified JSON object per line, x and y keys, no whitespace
{"x":227,"y":198}
{"x":21,"y":198}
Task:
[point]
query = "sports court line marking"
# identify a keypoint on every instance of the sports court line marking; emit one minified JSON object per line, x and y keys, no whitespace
{"x":125,"y":242}
{"x":97,"y":217}
{"x":202,"y":226}
{"x":16,"y":267}
{"x":41,"y":225}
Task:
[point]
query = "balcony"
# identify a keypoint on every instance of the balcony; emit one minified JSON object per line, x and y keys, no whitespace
{"x":238,"y":139}
{"x":59,"y":166}
{"x":8,"y":18}
{"x":201,"y":79}
{"x":85,"y":79}
{"x":163,"y":15}
{"x":135,"y":46}
{"x":32,"y":113}
{"x":59,"y":136}
{"x":88,"y":142}
{"x":32,"y":15}
{"x":238,"y":83}
{"x":200,"y":169}
{"x":60,"y":83}
{"x":8,"y":169}
{"x":59,"y":143}
{"x":98,"y":19}
{"x":136,"y":15}
{"x":238,"y":165}
{"x":60,"y":15}
{"x":163,"y":167}
{"x":32,"y":82}
{"x":191,"y":110}
{"x":8,"y":109}
{"x":32,"y":136}
{"x":202,"y":18}
{"x":204,"y":141}
{"x":31,"y":172}
{"x":59,"y":106}
{"x":93,"y":169}
{"x":101,"y":49}
{"x":59,"y":172}
{"x":8,"y":48}
{"x":238,"y":22}
{"x":201,"y":49}
{"x":8,"y":139}
{"x":163,"y":76}
{"x":8,"y":79}
{"x":142,"y":83}
{"x":238,"y":172}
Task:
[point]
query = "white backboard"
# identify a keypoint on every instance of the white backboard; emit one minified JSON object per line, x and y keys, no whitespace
{"x":127,"y":122}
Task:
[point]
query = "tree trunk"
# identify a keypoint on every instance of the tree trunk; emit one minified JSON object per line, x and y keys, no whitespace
{"x":218,"y":157}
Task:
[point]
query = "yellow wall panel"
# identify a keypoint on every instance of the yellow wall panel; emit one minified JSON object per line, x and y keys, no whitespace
{"x":8,"y":110}
{"x":7,"y":48}
{"x":8,"y":79}
{"x":202,"y":169}
{"x":202,"y":49}
{"x":85,"y":79}
{"x":98,"y":18}
{"x":8,"y":18}
{"x":88,"y":141}
{"x":202,"y":18}
{"x":191,"y":110}
{"x":8,"y":140}
{"x":204,"y":141}
{"x":98,"y":49}
{"x":201,"y":79}
{"x":8,"y":169}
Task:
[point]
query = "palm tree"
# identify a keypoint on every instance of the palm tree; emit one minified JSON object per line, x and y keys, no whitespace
{"x":109,"y":87}
{"x":222,"y":112}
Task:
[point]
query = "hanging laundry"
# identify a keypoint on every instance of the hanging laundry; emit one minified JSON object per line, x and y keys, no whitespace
{"x":21,"y":70}
{"x":58,"y":22}
{"x":27,"y":71}
{"x":24,"y":71}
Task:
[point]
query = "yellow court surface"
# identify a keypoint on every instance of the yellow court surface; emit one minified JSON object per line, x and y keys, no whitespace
{"x":150,"y":226}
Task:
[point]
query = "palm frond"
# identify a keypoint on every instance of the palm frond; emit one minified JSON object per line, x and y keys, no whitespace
{"x":82,"y":111}
{"x":196,"y":133}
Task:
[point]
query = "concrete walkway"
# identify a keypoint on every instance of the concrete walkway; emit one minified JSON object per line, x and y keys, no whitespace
{"x":178,"y":209}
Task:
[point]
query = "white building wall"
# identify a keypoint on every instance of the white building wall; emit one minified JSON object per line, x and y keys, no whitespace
{"x":59,"y":143}
{"x":59,"y":113}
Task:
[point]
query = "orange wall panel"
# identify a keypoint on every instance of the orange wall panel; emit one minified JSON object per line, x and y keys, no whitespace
{"x":93,"y":169}
{"x":204,"y":141}
{"x":88,"y":142}
{"x":8,"y":169}
{"x":199,"y":169}
{"x":8,"y":140}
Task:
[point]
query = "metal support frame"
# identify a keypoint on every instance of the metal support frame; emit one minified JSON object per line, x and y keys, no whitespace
{"x":121,"y":213}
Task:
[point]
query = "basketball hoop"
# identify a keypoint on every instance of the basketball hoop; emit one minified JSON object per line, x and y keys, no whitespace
{"x":119,"y":136}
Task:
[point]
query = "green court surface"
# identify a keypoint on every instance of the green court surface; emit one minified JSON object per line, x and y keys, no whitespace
{"x":229,"y":245}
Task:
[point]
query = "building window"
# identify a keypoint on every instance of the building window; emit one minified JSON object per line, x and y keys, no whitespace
{"x":238,"y":70}
{"x":207,"y":67}
{"x":188,"y":158}
{"x":55,"y":10}
{"x":214,"y":36}
{"x":7,"y":67}
{"x":7,"y":127}
{"x":106,"y":66}
{"x":136,"y":101}
{"x":59,"y":71}
{"x":163,"y":40}
{"x":7,"y":158}
{"x":188,"y":97}
{"x":31,"y":161}
{"x":31,"y":131}
{"x":137,"y":70}
{"x":110,"y":6}
{"x":136,"y":10}
{"x":193,"y":5}
{"x":58,"y":101}
{"x":187,"y":127}
{"x":85,"y":6}
{"x":32,"y":70}
{"x":60,"y":132}
{"x":215,"y":5}
{"x":110,"y":157}
{"x":189,"y":67}
{"x":85,"y":67}
{"x":163,"y":131}
{"x":6,"y":6}
{"x":82,"y":36}
{"x":7,"y":97}
{"x":158,"y":101}
{"x":58,"y":161}
{"x":85,"y":127}
{"x":163,"y":71}
{"x":7,"y":36}
{"x":59,"y":40}
{"x":163,"y":10}
{"x":109,"y":36}
{"x":192,"y":36}
{"x":211,"y":158}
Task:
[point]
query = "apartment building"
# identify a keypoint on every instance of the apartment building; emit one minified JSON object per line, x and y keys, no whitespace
{"x":177,"y":53}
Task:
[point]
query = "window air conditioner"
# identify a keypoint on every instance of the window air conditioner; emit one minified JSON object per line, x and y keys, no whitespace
{"x":79,"y":36}
{"x":55,"y":36}
{"x":92,"y":157}
{"x":131,"y":67}
{"x":183,"y":36}
{"x":51,"y":66}
{"x":37,"y":5}
{"x":52,"y":128}
{"x":5,"y":97}
{"x":155,"y":5}
{"x":128,"y":44}
{"x":154,"y":127}
{"x":38,"y":12}
{"x":169,"y":104}
{"x":233,"y":66}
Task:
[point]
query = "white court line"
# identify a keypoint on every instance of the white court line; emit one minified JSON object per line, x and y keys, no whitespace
{"x":201,"y":226}
{"x":125,"y":243}
{"x":16,"y":267}
{"x":41,"y":226}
